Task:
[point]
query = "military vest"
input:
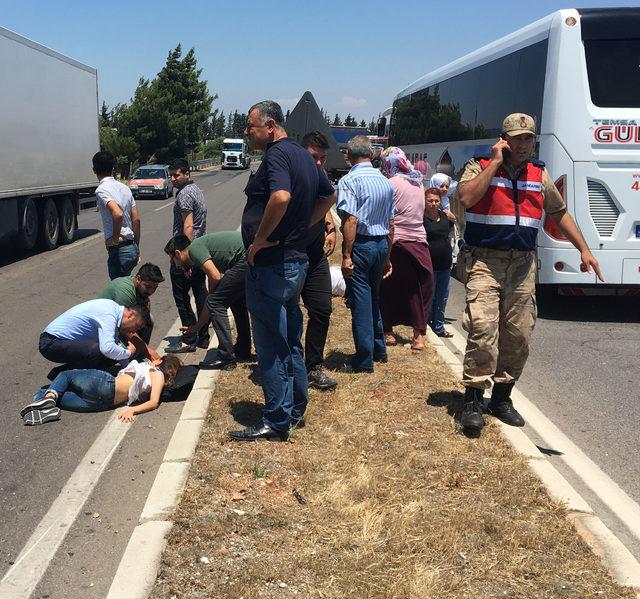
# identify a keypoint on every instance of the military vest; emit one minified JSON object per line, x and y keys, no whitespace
{"x":509,"y":214}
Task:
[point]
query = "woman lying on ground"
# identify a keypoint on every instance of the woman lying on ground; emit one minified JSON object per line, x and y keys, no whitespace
{"x":138,"y":385}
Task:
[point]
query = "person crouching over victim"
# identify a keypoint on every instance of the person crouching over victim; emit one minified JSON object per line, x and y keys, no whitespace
{"x":218,"y":254}
{"x":138,"y":385}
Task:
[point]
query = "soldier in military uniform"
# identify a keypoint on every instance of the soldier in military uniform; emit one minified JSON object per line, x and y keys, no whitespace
{"x":504,"y":196}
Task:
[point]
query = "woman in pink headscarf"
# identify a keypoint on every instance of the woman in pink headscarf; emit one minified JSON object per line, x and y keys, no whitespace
{"x":405,"y":296}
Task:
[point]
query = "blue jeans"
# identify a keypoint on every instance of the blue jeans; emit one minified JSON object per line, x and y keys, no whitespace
{"x":363,"y":292}
{"x":442,"y":282}
{"x":82,"y":390}
{"x":122,"y":260}
{"x":273,"y":293}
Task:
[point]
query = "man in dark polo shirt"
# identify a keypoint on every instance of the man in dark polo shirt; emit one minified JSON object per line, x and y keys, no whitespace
{"x":218,"y":254}
{"x":316,"y":293}
{"x":283,"y":197}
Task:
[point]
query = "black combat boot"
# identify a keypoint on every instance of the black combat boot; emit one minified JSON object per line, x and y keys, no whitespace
{"x":471,"y":419}
{"x":501,"y":405}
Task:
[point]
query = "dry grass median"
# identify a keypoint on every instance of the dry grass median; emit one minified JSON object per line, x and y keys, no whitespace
{"x":378,"y":496}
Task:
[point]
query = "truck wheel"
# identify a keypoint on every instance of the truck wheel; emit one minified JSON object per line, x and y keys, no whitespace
{"x":67,"y":220}
{"x":28,"y":231}
{"x":49,"y":225}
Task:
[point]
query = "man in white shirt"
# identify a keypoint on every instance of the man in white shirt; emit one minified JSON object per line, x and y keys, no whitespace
{"x":87,"y":333}
{"x":120,"y":220}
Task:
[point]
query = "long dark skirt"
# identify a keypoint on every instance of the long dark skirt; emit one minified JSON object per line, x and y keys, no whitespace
{"x":405,"y":296}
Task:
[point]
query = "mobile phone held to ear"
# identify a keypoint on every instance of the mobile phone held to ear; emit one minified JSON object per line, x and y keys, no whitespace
{"x":505,"y":151}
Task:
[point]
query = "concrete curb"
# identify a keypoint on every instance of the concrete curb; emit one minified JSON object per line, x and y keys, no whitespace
{"x":622,"y":565}
{"x":139,"y":565}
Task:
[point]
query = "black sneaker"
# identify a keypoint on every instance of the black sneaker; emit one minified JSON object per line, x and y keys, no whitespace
{"x":504,"y":410}
{"x":42,"y":404}
{"x":35,"y":417}
{"x":217,"y":365}
{"x":318,"y":379}
{"x":181,"y":348}
{"x":471,"y":418}
{"x":381,"y":359}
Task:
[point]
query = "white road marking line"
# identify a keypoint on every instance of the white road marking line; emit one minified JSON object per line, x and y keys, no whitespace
{"x":606,"y":489}
{"x":23,"y":577}
{"x":216,"y":184}
{"x":75,"y":244}
{"x":165,"y":206}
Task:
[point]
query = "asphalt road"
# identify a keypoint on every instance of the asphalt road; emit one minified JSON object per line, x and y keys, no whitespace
{"x":36,"y":462}
{"x":582,"y":373}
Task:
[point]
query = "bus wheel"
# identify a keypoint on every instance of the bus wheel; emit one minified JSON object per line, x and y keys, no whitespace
{"x":49,"y":225}
{"x":28,"y":232}
{"x":67,"y":220}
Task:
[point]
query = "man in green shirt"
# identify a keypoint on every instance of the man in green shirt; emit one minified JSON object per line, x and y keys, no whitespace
{"x":218,"y":254}
{"x":135,"y":291}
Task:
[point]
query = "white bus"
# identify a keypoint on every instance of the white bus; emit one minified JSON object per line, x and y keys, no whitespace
{"x":577,"y":72}
{"x":235,"y":153}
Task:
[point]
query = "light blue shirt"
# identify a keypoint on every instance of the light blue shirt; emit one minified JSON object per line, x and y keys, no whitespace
{"x":111,"y":190}
{"x":95,"y":319}
{"x":364,"y":192}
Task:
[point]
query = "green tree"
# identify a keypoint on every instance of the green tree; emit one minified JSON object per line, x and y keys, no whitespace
{"x":363,"y":123}
{"x":124,"y":148}
{"x":219,"y":125}
{"x":337,"y":121}
{"x":372,"y":128}
{"x":105,"y":114}
{"x":168,"y":116}
{"x":350,"y":121}
{"x":239,"y":123}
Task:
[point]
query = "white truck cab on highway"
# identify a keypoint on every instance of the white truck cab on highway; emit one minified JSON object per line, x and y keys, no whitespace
{"x":235,"y":154}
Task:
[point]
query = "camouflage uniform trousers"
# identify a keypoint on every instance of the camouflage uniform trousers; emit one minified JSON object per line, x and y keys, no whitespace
{"x":500,"y":314}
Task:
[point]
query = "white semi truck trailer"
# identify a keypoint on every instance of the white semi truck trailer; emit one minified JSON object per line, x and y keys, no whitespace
{"x":48,"y":135}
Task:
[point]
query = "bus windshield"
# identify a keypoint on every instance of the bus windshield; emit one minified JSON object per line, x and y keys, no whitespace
{"x":235,"y":147}
{"x":613,"y":67}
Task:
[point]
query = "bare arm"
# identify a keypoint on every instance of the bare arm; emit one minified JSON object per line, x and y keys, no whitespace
{"x":157,"y":384}
{"x":116,"y":218}
{"x":273,"y":213}
{"x":330,"y":234}
{"x":214,"y":276}
{"x":567,"y":225}
{"x":141,"y":347}
{"x":388,"y":268}
{"x":135,"y":225}
{"x":473,"y":191}
{"x":187,"y":223}
{"x":349,"y":223}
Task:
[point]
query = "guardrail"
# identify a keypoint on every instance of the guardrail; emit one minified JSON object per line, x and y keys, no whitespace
{"x":196,"y":165}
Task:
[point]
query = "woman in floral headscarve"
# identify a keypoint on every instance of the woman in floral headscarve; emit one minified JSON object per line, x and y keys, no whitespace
{"x":405,"y":296}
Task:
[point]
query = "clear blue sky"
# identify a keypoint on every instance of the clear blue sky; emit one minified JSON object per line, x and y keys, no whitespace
{"x":353,"y":56}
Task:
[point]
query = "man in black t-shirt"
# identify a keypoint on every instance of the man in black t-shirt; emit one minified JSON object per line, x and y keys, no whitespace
{"x":282,"y":199}
{"x":316,"y":293}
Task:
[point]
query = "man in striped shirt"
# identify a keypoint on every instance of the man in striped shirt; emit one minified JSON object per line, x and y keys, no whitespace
{"x":365,"y":205}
